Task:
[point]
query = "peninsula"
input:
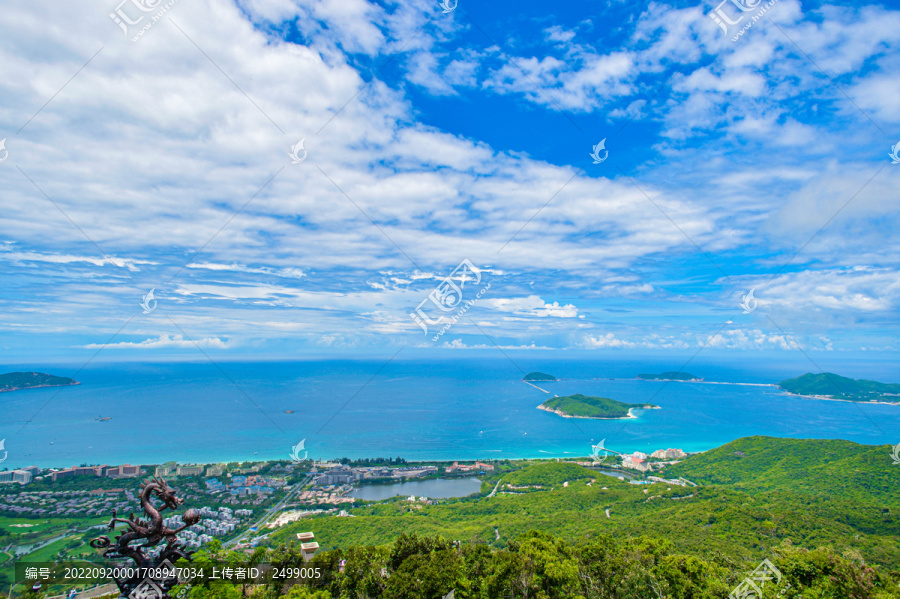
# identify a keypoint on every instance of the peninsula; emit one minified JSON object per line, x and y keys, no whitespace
{"x":583,"y":406}
{"x":832,"y":386}
{"x":539,"y":376}
{"x":14,"y":381}
{"x":669,"y":376}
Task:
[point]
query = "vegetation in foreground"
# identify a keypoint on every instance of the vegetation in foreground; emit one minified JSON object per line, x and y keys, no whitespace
{"x":824,"y":512}
{"x":755,"y":494}
{"x":541,"y":566}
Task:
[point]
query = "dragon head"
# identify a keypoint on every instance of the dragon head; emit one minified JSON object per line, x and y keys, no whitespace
{"x":164,"y":493}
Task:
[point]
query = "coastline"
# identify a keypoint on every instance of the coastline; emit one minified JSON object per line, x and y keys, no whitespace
{"x":869,"y":402}
{"x":38,"y":387}
{"x":559,"y":412}
{"x":700,"y":381}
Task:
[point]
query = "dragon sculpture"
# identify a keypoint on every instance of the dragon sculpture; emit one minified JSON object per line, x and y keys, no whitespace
{"x":152,"y":531}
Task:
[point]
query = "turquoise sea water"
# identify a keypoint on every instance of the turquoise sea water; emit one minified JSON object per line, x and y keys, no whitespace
{"x":417,"y":409}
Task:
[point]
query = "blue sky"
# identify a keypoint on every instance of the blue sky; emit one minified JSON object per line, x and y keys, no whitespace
{"x":435,"y":137}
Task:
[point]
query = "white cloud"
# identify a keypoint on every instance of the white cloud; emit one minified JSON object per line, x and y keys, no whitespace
{"x":533,"y":305}
{"x":459,"y":344}
{"x":608,"y":340}
{"x":165,"y":341}
{"x":8,"y":253}
{"x":290,"y":273}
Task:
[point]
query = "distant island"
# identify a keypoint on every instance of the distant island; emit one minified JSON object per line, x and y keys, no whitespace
{"x":539,"y":376}
{"x":832,"y":386}
{"x":669,"y":376}
{"x":583,"y":406}
{"x":14,"y":381}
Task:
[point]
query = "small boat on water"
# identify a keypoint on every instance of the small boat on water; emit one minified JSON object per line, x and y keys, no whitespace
{"x":289,"y":411}
{"x":102,"y":418}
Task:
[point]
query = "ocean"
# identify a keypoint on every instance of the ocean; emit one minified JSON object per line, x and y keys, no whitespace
{"x":438,"y":409}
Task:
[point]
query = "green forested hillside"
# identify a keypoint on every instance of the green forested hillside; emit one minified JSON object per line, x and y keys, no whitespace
{"x":821,"y":467}
{"x":841,"y":387}
{"x":806,"y":493}
{"x":585,"y":406}
{"x":13,"y":381}
{"x":538,"y":376}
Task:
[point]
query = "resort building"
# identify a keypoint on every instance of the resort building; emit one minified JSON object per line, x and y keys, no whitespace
{"x":123,"y":471}
{"x":165,"y":470}
{"x":476,"y":467}
{"x":634,"y":463}
{"x":188,"y":470}
{"x":668,"y":454}
{"x":22,"y":477}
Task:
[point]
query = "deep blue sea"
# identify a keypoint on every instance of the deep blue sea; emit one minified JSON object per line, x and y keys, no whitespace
{"x":418,"y":409}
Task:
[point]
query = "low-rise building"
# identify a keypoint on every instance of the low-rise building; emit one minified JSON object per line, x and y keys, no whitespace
{"x":634,"y":463}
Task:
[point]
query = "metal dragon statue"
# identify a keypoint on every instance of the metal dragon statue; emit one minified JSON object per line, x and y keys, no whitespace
{"x":152,"y":532}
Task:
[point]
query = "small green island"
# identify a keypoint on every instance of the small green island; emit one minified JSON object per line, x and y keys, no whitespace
{"x":584,"y":406}
{"x":15,"y":381}
{"x":832,"y":386}
{"x":539,"y":376}
{"x":669,"y":376}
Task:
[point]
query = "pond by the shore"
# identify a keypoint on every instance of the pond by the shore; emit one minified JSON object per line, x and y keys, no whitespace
{"x":435,"y":488}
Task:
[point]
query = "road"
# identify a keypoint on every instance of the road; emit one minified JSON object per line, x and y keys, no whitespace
{"x":494,"y":492}
{"x":295,"y":490}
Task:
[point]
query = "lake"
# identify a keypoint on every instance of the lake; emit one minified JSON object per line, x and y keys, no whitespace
{"x":435,"y":488}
